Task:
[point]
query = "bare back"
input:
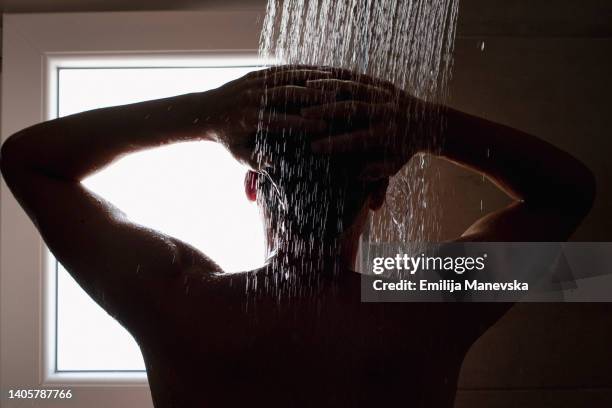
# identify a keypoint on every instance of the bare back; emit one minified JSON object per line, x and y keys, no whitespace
{"x":324,"y":349}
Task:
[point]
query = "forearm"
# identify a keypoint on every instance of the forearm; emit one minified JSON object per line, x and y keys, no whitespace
{"x":75,"y":146}
{"x":527,"y":168}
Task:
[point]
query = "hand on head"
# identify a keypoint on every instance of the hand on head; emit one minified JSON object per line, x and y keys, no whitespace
{"x":381,"y":126}
{"x":349,"y":116}
{"x":268,"y":100}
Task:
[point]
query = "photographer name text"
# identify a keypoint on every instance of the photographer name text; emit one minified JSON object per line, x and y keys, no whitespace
{"x":405,"y":264}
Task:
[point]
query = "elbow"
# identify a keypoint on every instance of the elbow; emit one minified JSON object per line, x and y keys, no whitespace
{"x":12,"y":158}
{"x":8,"y":157}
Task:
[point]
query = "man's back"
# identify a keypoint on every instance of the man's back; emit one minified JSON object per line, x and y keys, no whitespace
{"x":324,"y":349}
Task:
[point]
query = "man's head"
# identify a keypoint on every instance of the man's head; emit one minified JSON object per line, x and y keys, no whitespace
{"x":312,"y":197}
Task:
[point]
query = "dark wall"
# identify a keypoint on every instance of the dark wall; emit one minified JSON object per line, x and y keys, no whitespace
{"x":545,"y":70}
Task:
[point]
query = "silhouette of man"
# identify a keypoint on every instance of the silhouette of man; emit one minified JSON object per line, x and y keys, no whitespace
{"x":293,"y":333}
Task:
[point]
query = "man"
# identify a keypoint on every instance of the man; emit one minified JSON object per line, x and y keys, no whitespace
{"x":293,"y":333}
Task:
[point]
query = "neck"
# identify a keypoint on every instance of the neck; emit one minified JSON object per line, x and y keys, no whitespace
{"x":339,"y":253}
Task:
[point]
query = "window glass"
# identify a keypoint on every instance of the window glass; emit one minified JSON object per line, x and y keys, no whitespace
{"x":193,"y":191}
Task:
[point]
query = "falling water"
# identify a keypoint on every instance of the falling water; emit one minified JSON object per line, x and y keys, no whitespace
{"x":408,"y":43}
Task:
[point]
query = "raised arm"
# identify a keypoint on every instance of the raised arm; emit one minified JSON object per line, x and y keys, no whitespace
{"x":552,"y":191}
{"x":129,"y":269}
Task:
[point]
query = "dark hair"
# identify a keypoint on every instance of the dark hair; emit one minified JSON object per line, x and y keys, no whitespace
{"x":307,"y":195}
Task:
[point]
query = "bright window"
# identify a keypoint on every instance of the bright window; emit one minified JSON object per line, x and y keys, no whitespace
{"x":193,"y":191}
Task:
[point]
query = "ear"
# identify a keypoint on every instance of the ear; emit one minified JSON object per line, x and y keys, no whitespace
{"x":250,"y":185}
{"x":378,"y":194}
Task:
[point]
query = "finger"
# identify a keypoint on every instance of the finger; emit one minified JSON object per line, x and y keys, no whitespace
{"x":296,"y":77}
{"x":348,"y":109}
{"x":280,"y":68}
{"x":346,"y":74}
{"x":294,"y":123}
{"x":351,"y":89}
{"x":290,"y":77}
{"x":361,"y":141}
{"x":274,"y":73}
{"x":294,"y":95}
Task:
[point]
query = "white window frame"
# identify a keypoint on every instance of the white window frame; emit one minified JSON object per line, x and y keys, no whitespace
{"x":34,"y":46}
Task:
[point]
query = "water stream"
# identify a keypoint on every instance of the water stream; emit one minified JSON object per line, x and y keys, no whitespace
{"x":409,"y":43}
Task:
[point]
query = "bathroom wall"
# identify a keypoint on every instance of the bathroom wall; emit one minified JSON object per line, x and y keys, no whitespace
{"x":545,"y":70}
